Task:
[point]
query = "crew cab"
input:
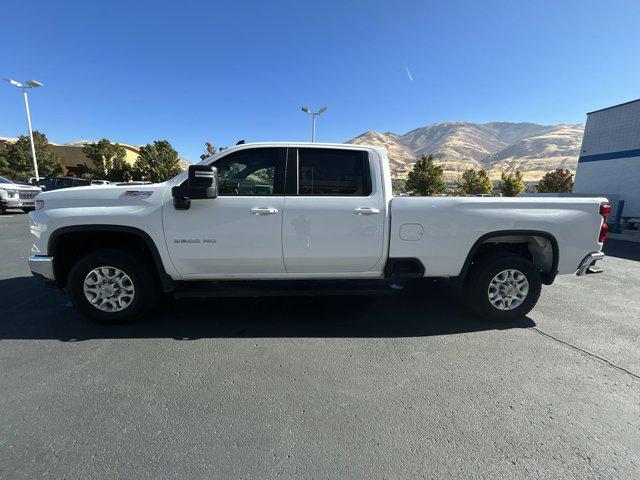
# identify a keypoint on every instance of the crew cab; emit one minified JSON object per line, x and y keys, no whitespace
{"x":302,"y":215}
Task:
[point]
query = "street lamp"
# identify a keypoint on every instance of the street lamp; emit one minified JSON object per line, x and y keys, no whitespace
{"x":313,"y":120}
{"x":24,"y":87}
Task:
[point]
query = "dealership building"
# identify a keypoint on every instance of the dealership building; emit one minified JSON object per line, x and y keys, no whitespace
{"x":609,"y":161}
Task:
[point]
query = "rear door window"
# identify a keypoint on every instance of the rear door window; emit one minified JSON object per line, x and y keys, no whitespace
{"x":333,"y":172}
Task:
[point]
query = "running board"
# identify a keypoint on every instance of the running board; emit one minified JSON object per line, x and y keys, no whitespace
{"x":276,"y":288}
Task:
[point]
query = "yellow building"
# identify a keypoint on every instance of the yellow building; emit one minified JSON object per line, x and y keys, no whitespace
{"x":72,"y":155}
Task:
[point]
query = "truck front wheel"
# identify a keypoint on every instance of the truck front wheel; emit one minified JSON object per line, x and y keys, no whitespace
{"x":503,"y":287}
{"x":112,"y":286}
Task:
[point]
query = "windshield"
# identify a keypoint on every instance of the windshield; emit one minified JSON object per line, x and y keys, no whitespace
{"x":5,"y":180}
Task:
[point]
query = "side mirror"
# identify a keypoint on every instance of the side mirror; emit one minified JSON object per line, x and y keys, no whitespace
{"x":202,"y":183}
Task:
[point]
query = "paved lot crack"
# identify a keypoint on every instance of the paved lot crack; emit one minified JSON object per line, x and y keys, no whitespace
{"x":592,"y":355}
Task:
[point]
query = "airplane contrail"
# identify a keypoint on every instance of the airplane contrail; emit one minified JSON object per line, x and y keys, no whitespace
{"x":408,"y":73}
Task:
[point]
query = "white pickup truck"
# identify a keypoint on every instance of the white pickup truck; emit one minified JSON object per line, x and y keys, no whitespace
{"x":302,"y":216}
{"x":17,"y":195}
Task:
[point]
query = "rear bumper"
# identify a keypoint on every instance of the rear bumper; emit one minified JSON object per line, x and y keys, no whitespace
{"x":588,"y":264}
{"x":42,"y":266}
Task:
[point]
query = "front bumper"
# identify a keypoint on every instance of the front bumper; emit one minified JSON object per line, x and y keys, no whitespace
{"x":12,"y":202}
{"x":42,"y":266}
{"x":588,"y":264}
{"x":16,"y":202}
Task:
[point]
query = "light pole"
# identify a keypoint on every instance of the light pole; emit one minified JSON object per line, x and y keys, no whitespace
{"x":24,"y":87}
{"x":313,"y":120}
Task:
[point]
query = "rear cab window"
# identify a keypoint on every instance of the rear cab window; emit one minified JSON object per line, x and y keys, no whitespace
{"x":333,"y":172}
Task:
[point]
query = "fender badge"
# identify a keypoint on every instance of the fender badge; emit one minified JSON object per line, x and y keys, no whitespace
{"x":137,"y":193}
{"x":194,"y":240}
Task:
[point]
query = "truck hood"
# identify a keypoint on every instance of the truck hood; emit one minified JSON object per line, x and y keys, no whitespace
{"x":19,"y":187}
{"x":103,"y":196}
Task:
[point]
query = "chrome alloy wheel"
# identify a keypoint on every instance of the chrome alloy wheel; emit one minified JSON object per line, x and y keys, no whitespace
{"x":508,"y":289}
{"x":108,"y":289}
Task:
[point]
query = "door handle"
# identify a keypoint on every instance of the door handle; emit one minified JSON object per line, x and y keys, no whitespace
{"x":264,"y":211}
{"x":366,"y":211}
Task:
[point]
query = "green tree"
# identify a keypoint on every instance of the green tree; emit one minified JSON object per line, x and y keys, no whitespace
{"x":425,"y":178}
{"x":511,"y":184}
{"x":474,"y":183}
{"x":109,"y":161}
{"x":82,"y":171}
{"x":398,"y":185}
{"x":16,"y":160}
{"x":157,"y":162}
{"x":557,"y":181}
{"x":120,"y":172}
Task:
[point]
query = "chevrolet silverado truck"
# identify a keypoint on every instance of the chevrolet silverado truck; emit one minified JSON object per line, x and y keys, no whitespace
{"x":17,"y":195}
{"x":274,"y":217}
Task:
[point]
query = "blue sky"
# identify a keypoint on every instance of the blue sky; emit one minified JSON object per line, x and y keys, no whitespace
{"x":193,"y":71}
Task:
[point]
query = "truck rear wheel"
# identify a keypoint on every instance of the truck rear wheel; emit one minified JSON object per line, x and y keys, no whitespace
{"x":503,"y":287}
{"x":112,"y":286}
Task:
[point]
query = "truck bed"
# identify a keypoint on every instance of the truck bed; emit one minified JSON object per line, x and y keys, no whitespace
{"x":442,"y":231}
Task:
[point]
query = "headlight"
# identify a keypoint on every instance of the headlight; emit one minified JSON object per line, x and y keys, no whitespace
{"x":11,"y":193}
{"x":39,"y":204}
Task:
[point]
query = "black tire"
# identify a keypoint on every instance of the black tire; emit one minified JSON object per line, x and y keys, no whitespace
{"x":146,"y":291}
{"x":3,"y":209}
{"x":485,"y":270}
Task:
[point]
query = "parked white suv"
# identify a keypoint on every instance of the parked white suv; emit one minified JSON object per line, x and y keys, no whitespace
{"x":276,"y":216}
{"x":16,"y":195}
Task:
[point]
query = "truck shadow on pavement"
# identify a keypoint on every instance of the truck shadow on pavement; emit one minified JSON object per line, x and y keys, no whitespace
{"x":32,"y":312}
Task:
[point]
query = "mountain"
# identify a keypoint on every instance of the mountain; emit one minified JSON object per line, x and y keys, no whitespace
{"x":555,"y":147}
{"x":466,"y":142}
{"x":457,"y":146}
{"x":399,"y":155}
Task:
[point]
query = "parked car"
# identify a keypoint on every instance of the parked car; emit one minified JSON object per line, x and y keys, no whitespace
{"x":17,"y":195}
{"x":282,"y":216}
{"x":100,"y":182}
{"x":56,"y":183}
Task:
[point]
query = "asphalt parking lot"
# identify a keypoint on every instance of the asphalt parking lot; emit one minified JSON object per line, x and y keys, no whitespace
{"x":407,"y":386}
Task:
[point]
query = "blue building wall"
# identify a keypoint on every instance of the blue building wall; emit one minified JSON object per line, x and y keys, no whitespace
{"x":609,"y":161}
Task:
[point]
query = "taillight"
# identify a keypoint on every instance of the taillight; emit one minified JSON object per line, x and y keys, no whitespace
{"x":605,"y":211}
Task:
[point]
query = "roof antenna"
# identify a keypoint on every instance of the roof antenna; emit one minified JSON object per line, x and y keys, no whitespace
{"x":240,"y":142}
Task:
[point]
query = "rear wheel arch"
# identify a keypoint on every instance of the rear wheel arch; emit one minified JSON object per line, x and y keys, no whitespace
{"x":536,"y":242}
